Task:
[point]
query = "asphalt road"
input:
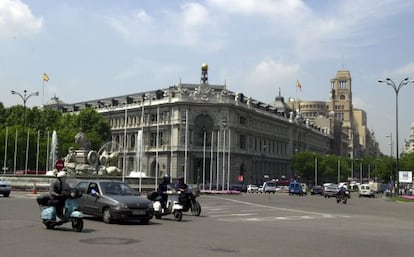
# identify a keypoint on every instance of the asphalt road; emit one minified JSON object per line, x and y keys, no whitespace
{"x":230,"y":225}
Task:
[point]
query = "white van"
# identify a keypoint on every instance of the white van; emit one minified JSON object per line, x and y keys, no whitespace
{"x":365,"y":190}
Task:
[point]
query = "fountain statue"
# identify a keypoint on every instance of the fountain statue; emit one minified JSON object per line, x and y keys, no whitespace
{"x":85,"y":161}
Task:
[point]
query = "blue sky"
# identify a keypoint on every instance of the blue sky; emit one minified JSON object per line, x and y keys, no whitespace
{"x":100,"y":48}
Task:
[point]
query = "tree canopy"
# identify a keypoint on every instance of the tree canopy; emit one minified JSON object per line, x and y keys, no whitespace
{"x":31,"y":129}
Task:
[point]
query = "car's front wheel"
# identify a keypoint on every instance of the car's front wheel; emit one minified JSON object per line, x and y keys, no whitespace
{"x":107,"y":215}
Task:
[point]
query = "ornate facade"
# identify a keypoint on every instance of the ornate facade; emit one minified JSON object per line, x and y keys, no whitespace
{"x":206,"y":133}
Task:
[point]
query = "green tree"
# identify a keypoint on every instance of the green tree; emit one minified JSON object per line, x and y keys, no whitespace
{"x":40,"y":125}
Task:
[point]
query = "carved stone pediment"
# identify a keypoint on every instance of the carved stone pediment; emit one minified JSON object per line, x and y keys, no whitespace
{"x":204,"y":91}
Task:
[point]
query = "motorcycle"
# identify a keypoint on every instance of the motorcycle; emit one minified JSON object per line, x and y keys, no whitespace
{"x":341,"y":197}
{"x":173,"y":205}
{"x":70,"y":211}
{"x":190,"y":203}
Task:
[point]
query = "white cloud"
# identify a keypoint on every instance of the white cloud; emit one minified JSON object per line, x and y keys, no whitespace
{"x":194,"y":14}
{"x":135,"y":27}
{"x":272,"y":69}
{"x":16,"y":19}
{"x":265,"y":76}
{"x":406,"y":70}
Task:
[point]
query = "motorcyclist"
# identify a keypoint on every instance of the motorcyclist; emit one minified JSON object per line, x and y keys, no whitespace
{"x":181,"y":185}
{"x":162,"y":191}
{"x":342,"y":190}
{"x":56,"y":192}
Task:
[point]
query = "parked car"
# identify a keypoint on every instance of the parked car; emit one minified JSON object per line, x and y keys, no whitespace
{"x":260,"y":190}
{"x":317,"y":190}
{"x":5,"y":187}
{"x":295,"y":188}
{"x":269,"y":187}
{"x":238,"y":187}
{"x":252,"y":189}
{"x":330,"y":190}
{"x":114,"y":201}
{"x":366,"y":191}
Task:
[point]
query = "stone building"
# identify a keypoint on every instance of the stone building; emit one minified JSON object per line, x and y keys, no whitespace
{"x":207,"y":133}
{"x":352,"y":137}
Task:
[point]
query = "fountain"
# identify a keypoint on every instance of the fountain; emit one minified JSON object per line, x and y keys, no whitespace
{"x":54,"y":151}
{"x":85,"y":161}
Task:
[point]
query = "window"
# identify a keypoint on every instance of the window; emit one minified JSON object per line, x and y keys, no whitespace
{"x":242,"y":142}
{"x":153,"y":118}
{"x":153,"y":139}
{"x":243,"y":120}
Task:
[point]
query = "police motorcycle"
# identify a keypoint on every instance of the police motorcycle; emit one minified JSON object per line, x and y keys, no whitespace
{"x":189,"y":202}
{"x":173,"y":205}
{"x":342,"y":196}
{"x":70,"y":211}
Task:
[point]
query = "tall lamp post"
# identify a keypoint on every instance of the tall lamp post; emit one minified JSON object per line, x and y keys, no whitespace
{"x":25,"y":97}
{"x":391,"y":146}
{"x":396,"y":88}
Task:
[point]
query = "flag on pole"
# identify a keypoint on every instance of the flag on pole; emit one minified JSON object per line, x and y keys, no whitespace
{"x":45,"y":77}
{"x":298,"y":85}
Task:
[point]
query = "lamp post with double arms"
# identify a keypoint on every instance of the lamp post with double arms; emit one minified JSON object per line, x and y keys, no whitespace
{"x":24,"y":98}
{"x":396,"y":88}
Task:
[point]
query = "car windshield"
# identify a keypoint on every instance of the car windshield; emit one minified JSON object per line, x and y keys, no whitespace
{"x":270,"y":184}
{"x":117,"y":188}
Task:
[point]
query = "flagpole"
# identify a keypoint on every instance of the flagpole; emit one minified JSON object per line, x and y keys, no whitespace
{"x":204,"y":158}
{"x":211,"y":158}
{"x":218,"y":160}
{"x":37,"y":152}
{"x":15,"y":152}
{"x":228,"y":160}
{"x":27,"y":149}
{"x":142,"y":147}
{"x":156,"y":147}
{"x":43,"y":93}
{"x":47,"y":152}
{"x":224,"y":158}
{"x":5,"y":151}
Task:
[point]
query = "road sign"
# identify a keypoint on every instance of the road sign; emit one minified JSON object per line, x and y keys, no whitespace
{"x":60,"y":164}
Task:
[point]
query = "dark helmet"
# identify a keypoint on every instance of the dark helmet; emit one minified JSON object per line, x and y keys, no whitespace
{"x":181,"y":178}
{"x":166,"y":178}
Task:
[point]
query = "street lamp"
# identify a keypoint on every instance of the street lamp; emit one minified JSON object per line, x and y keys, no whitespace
{"x":25,"y":97}
{"x":391,"y":146}
{"x":396,"y":88}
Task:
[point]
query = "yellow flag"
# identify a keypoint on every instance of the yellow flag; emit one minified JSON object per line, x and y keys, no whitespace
{"x":45,"y":77}
{"x":299,"y":85}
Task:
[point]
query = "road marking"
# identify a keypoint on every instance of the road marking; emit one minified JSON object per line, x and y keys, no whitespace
{"x":270,"y":207}
{"x":248,"y":216}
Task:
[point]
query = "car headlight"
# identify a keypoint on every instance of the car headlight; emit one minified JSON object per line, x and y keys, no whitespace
{"x":121,"y":206}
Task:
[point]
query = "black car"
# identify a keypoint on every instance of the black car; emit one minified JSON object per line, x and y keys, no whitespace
{"x":317,"y":190}
{"x":113,"y":200}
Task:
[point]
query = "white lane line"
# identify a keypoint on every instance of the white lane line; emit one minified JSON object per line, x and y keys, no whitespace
{"x":279,"y":218}
{"x":231,"y":215}
{"x":272,"y":207}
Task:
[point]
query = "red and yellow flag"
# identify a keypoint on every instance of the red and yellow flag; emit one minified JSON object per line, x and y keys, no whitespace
{"x":299,"y":85}
{"x":45,"y":77}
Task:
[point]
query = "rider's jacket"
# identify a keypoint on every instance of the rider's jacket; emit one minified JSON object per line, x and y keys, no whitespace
{"x":181,"y":186}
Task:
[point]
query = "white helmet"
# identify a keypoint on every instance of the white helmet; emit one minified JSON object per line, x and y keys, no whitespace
{"x":61,"y":174}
